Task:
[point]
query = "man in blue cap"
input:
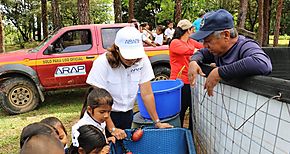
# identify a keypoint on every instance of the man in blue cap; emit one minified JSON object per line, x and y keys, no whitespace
{"x":234,"y":55}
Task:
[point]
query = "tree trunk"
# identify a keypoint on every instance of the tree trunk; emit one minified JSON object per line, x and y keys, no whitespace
{"x":2,"y":49}
{"x":56,"y":18}
{"x":278,"y":19}
{"x":243,"y":13}
{"x":39,"y":27}
{"x":131,"y":10}
{"x":261,"y":22}
{"x":44,"y":18}
{"x":83,"y":12}
{"x":118,"y":11}
{"x":178,"y":10}
{"x":267,"y":14}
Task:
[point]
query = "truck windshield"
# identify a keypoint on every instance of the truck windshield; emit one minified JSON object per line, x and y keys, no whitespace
{"x":49,"y":37}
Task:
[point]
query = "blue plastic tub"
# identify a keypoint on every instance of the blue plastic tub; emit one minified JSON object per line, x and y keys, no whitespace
{"x":167,"y":95}
{"x":161,"y":141}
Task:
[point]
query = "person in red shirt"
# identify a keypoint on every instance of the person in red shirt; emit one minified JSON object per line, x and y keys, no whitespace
{"x":180,"y":49}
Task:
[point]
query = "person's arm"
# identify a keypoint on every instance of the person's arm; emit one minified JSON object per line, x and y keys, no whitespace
{"x":202,"y":56}
{"x":197,"y":45}
{"x":118,"y":133}
{"x":147,"y":75}
{"x":149,"y":42}
{"x":177,"y":47}
{"x":149,"y":102}
{"x":196,"y":59}
{"x":254,"y":62}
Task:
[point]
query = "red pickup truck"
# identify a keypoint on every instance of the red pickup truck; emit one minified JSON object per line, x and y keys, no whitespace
{"x":62,"y":61}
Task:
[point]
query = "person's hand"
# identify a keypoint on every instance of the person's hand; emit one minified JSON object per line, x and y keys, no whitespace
{"x":211,"y":81}
{"x":193,"y":71}
{"x":119,"y":133}
{"x":106,"y":150}
{"x":163,"y":125}
{"x":112,"y":139}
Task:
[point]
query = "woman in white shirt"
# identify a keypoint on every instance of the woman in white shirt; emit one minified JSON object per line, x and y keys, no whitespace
{"x":121,"y":71}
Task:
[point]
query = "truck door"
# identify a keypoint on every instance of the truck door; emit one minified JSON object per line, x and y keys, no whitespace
{"x":67,"y":61}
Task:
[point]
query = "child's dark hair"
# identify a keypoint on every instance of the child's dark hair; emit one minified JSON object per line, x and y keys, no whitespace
{"x":168,"y":22}
{"x":160,"y":27}
{"x":35,"y":129}
{"x":90,"y":138}
{"x":52,"y":121}
{"x":96,"y":97}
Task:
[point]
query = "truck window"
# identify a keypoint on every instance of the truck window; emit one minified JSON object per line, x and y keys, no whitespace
{"x":71,"y":41}
{"x":108,"y":36}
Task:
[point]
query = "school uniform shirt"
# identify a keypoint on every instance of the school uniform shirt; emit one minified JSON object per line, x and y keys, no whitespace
{"x":179,"y":55}
{"x":122,"y":83}
{"x":169,"y":32}
{"x":87,"y":120}
{"x":145,"y":36}
{"x":158,"y":38}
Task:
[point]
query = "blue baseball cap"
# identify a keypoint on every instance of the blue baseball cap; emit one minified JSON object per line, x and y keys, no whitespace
{"x":214,"y":21}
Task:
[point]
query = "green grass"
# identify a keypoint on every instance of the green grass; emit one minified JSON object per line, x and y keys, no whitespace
{"x":14,"y":47}
{"x":65,"y":105}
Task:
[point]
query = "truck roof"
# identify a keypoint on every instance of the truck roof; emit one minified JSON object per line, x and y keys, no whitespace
{"x":97,"y":25}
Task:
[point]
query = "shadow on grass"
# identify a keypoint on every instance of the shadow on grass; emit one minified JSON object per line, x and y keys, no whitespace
{"x":63,"y":101}
{"x":65,"y":105}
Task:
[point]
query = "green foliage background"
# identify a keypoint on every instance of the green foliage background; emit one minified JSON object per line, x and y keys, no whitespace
{"x":24,"y":14}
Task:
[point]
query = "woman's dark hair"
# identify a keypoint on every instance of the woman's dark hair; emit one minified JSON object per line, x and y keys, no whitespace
{"x":90,"y":138}
{"x":178,"y":33}
{"x":52,"y":121}
{"x":35,"y":129}
{"x":96,"y":97}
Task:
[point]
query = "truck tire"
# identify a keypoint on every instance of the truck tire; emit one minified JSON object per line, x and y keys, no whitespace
{"x":161,"y":73}
{"x":18,"y":95}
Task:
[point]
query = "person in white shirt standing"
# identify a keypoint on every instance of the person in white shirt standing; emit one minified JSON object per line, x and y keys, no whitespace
{"x":121,"y":71}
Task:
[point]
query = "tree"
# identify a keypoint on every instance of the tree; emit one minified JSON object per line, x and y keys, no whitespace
{"x":242,"y":13}
{"x":38,"y":24}
{"x":261,"y":22}
{"x":56,"y":18}
{"x":2,"y":49}
{"x":21,"y":15}
{"x":178,"y":10}
{"x":267,"y":14}
{"x":278,"y":19}
{"x":131,"y":9}
{"x":118,"y":11}
{"x":44,"y":18}
{"x":83,"y":12}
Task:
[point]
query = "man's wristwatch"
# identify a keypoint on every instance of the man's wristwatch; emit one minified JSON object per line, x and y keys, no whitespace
{"x":156,"y":121}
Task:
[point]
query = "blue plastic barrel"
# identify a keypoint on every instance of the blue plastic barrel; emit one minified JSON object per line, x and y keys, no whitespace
{"x":167,"y":95}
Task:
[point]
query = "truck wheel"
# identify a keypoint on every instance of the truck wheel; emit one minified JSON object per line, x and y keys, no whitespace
{"x":161,"y":73}
{"x":18,"y":95}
